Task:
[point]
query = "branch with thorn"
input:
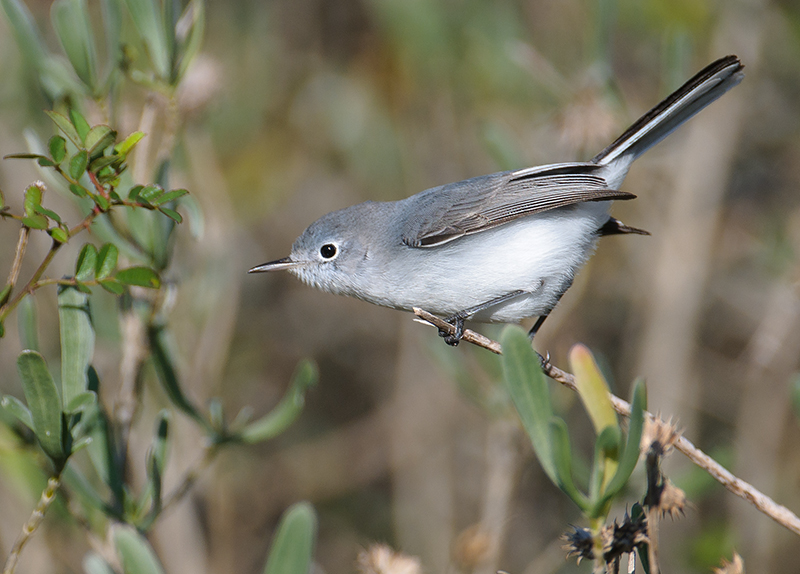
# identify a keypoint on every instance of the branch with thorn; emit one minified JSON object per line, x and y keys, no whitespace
{"x":737,"y":486}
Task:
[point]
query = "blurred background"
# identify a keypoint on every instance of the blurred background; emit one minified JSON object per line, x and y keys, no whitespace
{"x":298,"y":107}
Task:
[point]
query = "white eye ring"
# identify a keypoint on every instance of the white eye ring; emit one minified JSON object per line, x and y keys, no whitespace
{"x":329,"y":251}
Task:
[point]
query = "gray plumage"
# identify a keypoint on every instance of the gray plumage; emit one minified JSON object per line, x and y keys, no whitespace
{"x":499,"y":247}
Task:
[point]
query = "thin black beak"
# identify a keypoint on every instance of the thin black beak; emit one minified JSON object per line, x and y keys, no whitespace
{"x":277,"y":265}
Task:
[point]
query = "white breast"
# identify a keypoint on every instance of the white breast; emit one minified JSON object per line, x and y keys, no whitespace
{"x":539,"y":255}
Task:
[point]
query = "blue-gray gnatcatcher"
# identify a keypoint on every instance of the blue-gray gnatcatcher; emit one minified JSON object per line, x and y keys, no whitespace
{"x":495,"y":248}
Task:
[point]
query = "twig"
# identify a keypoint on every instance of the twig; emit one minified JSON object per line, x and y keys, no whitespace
{"x":48,"y":495}
{"x":737,"y":486}
{"x":24,"y":232}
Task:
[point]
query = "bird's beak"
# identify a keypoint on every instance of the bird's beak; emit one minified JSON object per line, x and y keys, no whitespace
{"x":277,"y":265}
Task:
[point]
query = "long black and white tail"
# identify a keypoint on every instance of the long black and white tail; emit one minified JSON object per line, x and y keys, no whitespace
{"x":702,"y":89}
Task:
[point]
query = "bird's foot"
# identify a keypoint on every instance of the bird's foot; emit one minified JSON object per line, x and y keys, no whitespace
{"x":454,"y":338}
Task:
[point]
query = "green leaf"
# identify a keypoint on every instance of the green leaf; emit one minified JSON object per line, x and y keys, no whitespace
{"x":172,"y":214}
{"x":25,"y":32}
{"x":81,"y":125}
{"x":33,"y":199}
{"x":630,"y":456}
{"x":195,"y":15}
{"x":45,"y":162}
{"x":135,"y":553}
{"x":48,"y":213}
{"x":287,"y":411}
{"x":94,"y":564}
{"x":606,"y":446}
{"x":81,"y":402}
{"x":101,"y":202}
{"x":156,"y":462}
{"x":58,"y":234}
{"x":58,"y":148}
{"x":35,"y":222}
{"x":216,"y":414}
{"x":150,"y":192}
{"x":24,"y":156}
{"x":104,"y":161}
{"x":78,"y":190}
{"x":28,"y":323}
{"x":527,"y":387}
{"x":169,"y":196}
{"x":44,"y":404}
{"x":99,"y":138}
{"x":293,"y":545}
{"x":140,"y":276}
{"x":167,"y":375}
{"x":77,"y":342}
{"x":150,"y":26}
{"x":5,"y":294}
{"x":78,"y":163}
{"x":86,"y":263}
{"x":106,"y":261}
{"x":66,"y":127}
{"x":80,"y":443}
{"x":112,"y":286}
{"x":14,"y":406}
{"x":562,"y":461}
{"x":70,"y":20}
{"x":126,"y":145}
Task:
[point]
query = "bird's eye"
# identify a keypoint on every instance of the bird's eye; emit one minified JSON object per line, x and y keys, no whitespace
{"x":328,"y":251}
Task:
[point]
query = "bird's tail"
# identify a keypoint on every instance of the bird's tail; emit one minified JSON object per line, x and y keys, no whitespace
{"x":702,"y":89}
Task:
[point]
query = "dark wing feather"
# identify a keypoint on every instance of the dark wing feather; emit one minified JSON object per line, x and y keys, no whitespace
{"x":483,"y":203}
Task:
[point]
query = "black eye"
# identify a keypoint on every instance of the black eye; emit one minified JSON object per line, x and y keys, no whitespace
{"x":328,"y":250}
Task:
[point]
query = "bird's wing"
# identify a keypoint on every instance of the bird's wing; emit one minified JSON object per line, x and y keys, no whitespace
{"x":482,"y":203}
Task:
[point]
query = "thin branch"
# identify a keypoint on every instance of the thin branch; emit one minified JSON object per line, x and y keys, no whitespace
{"x":737,"y":486}
{"x":48,"y":495}
{"x":22,"y":243}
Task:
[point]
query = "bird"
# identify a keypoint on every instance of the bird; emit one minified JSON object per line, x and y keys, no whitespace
{"x":495,"y":248}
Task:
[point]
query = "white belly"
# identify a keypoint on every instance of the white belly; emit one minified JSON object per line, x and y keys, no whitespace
{"x":539,"y":255}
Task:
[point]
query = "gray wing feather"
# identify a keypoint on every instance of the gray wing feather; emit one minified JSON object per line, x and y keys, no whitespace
{"x":482,"y":203}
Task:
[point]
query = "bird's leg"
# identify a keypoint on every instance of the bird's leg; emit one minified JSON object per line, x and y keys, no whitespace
{"x":536,"y":327}
{"x":458,"y":319}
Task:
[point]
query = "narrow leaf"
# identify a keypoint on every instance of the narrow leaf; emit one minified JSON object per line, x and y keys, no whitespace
{"x":78,"y":190}
{"x":293,"y":545}
{"x":14,"y":406}
{"x":24,"y":156}
{"x":58,"y":234}
{"x":135,"y":552}
{"x":70,"y":21}
{"x":81,"y":402}
{"x":125,"y":146}
{"x":630,"y":455}
{"x":112,"y":286}
{"x":287,"y":411}
{"x":169,"y":196}
{"x":99,"y":138}
{"x":28,"y":323}
{"x":58,"y":148}
{"x":44,"y":404}
{"x":77,"y":342}
{"x":81,"y":125}
{"x":562,"y":462}
{"x":86,"y":263}
{"x":150,"y":26}
{"x":78,"y":163}
{"x":172,"y":214}
{"x":104,"y":161}
{"x":106,"y":261}
{"x":527,"y":387}
{"x":140,"y":276}
{"x":48,"y":213}
{"x":25,"y":32}
{"x":167,"y":375}
{"x":65,"y":125}
{"x":592,"y":388}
